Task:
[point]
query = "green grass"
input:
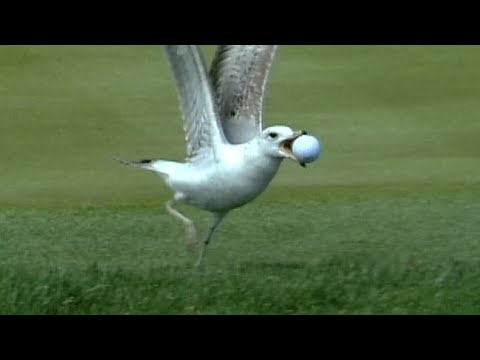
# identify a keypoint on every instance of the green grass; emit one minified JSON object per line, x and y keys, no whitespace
{"x":368,"y":256}
{"x":386,"y":221}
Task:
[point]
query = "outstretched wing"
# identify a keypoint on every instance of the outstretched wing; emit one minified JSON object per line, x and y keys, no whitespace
{"x":239,"y":74}
{"x":203,"y":132}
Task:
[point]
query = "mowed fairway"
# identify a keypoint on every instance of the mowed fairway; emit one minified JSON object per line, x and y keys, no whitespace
{"x":387,"y":221}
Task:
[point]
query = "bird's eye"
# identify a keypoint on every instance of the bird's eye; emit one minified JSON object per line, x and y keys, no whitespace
{"x":273,"y":135}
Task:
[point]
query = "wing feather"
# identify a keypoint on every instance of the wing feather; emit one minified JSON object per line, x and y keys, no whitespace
{"x":239,"y":75}
{"x":203,"y":131}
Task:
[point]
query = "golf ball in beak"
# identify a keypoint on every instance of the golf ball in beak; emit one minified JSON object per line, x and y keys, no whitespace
{"x":306,"y":148}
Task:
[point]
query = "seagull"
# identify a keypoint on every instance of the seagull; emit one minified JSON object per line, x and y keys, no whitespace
{"x":230,"y":159}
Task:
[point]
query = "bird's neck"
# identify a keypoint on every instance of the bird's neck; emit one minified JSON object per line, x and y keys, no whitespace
{"x":263,"y":166}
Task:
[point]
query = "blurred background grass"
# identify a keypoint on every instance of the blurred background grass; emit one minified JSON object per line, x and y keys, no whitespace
{"x":388,"y":115}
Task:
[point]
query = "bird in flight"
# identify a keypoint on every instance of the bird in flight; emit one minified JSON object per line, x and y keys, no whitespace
{"x":230,"y":158}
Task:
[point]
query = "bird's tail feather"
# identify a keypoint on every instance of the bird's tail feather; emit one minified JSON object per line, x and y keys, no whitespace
{"x":164,"y":167}
{"x":144,"y":163}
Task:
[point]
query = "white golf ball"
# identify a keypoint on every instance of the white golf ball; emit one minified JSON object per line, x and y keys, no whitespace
{"x":306,"y":148}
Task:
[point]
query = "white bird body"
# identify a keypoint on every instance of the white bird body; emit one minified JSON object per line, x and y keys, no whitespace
{"x":230,"y":159}
{"x":239,"y":175}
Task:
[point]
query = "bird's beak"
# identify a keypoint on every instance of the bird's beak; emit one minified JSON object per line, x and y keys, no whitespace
{"x":286,"y":146}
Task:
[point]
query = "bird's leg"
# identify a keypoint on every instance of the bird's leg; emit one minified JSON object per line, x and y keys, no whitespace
{"x":216,"y":221}
{"x":190,"y":229}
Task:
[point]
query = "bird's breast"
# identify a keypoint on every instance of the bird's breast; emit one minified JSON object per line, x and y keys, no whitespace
{"x":232,"y":182}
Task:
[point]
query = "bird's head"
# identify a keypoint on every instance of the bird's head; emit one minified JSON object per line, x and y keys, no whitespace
{"x":276,"y":141}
